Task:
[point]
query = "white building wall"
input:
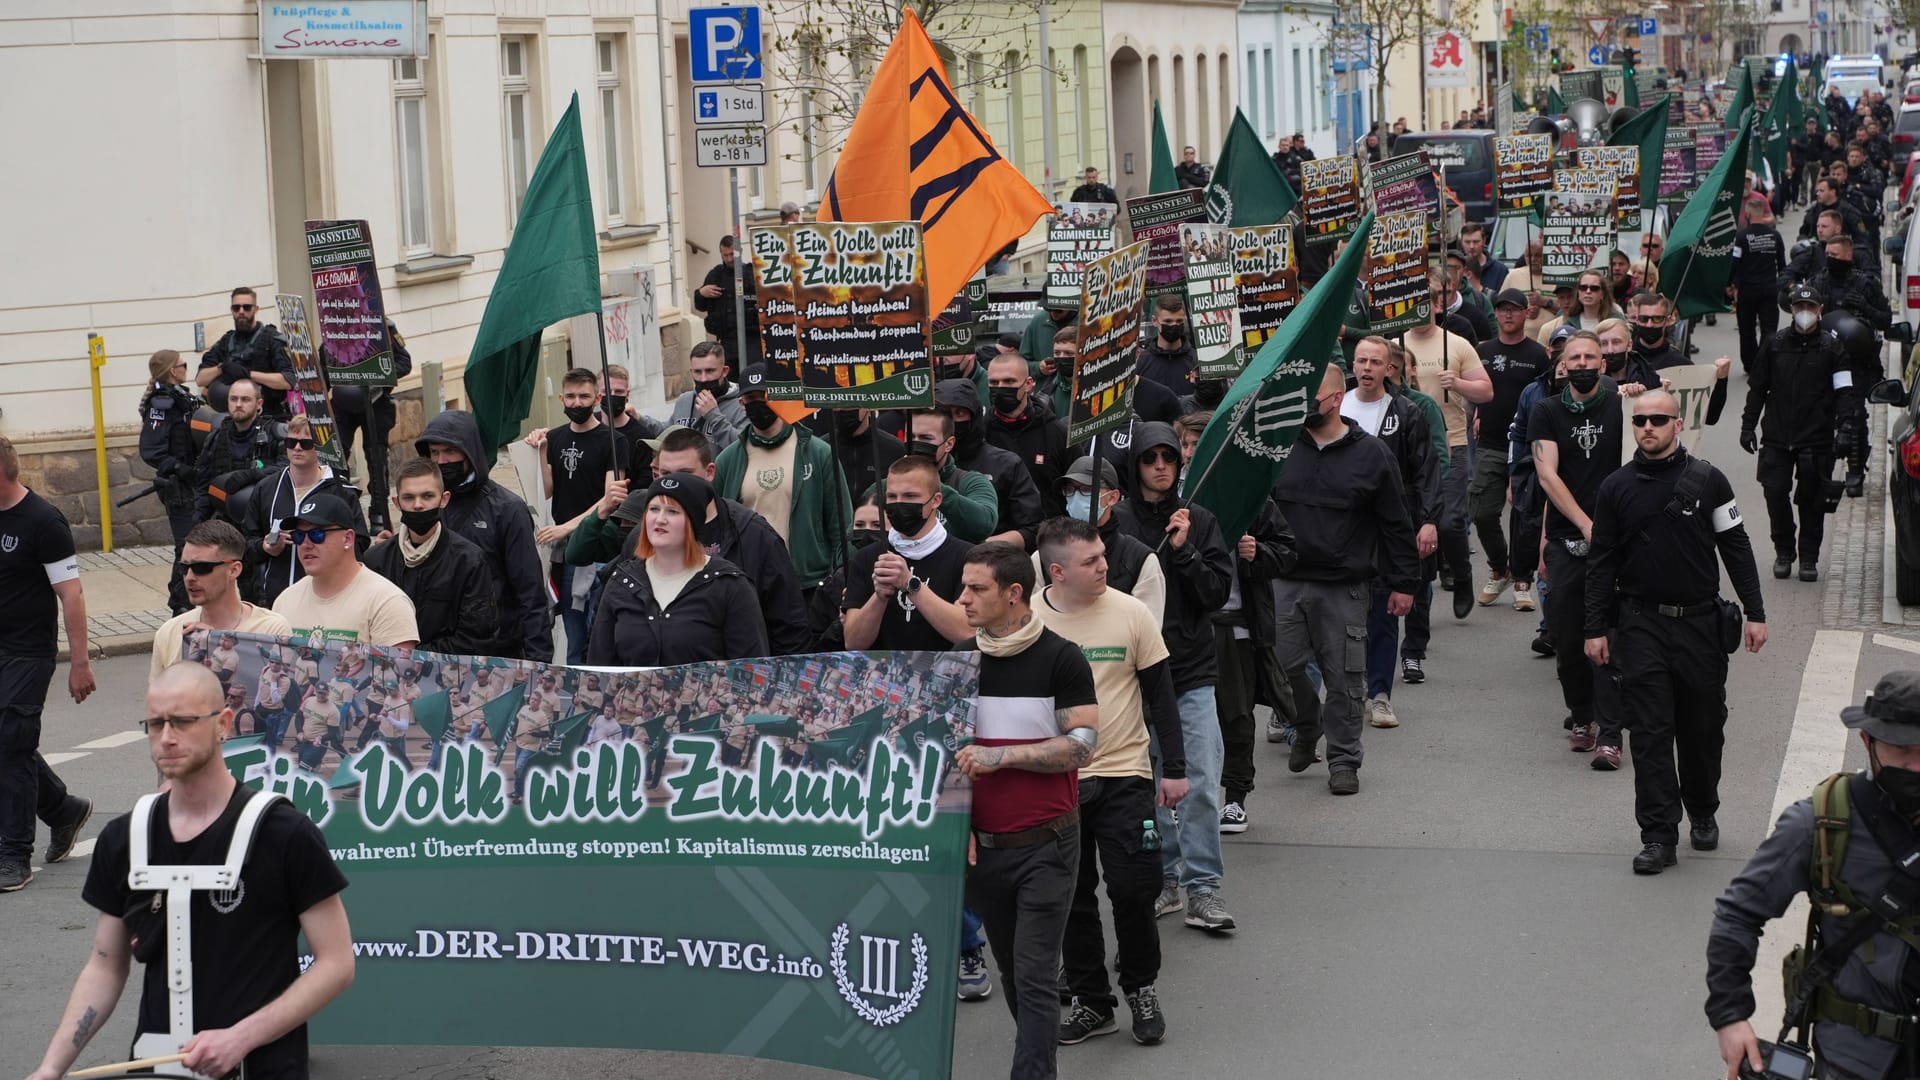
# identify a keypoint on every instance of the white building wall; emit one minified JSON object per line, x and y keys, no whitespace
{"x":1190,"y":50}
{"x":1271,"y":35}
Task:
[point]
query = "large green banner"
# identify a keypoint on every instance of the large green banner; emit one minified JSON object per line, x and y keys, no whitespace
{"x":760,"y":858}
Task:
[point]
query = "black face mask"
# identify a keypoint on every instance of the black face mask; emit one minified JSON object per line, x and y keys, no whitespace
{"x":1210,"y":392}
{"x":1006,"y":400}
{"x":616,"y":404}
{"x":1649,"y":336}
{"x":453,"y":474}
{"x":420,"y":521}
{"x":923,"y":448}
{"x":1174,"y":332}
{"x":760,"y":414}
{"x":847,"y":421}
{"x":867,"y":537}
{"x":1316,"y":420}
{"x":1616,"y":361}
{"x":967,"y":434}
{"x":951,"y":371}
{"x":906,"y":518}
{"x":1839,"y":267}
{"x":718,"y":388}
{"x":1902,"y":788}
{"x":1063,"y":365}
{"x":579,"y":414}
{"x":1583,"y":379}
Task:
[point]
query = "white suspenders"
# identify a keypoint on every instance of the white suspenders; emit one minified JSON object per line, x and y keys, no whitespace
{"x":180,"y":883}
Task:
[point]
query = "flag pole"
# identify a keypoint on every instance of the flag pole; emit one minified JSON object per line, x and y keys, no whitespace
{"x":1093,"y":514}
{"x":1240,"y":409}
{"x":606,"y":381}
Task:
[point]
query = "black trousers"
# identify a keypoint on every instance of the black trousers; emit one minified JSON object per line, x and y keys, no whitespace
{"x":1592,"y":694}
{"x":377,"y":422}
{"x":1794,"y":482}
{"x":1759,"y":317}
{"x":178,"y":499}
{"x":1023,"y":897}
{"x":28,"y":787}
{"x":1233,"y":698}
{"x":1112,"y":810}
{"x":1674,"y":686}
{"x":1524,"y":554}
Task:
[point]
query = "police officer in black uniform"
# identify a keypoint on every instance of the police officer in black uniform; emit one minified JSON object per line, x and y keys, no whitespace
{"x":1855,"y":994}
{"x":370,"y":409}
{"x":1803,"y":382}
{"x":1652,"y":581}
{"x":251,"y":350}
{"x":167,"y":446}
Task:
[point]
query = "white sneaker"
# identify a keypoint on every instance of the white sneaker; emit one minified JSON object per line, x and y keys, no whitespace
{"x":1523,"y":598}
{"x":1491,"y":592}
{"x":1380,"y":713}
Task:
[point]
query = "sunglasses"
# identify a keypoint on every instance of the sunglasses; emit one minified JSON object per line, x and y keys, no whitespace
{"x":202,"y":569}
{"x":1159,"y":457}
{"x":243,"y":307}
{"x":1590,"y":288}
{"x":303,"y":444}
{"x":309,"y":536}
{"x":1655,"y":419}
{"x":178,"y":723}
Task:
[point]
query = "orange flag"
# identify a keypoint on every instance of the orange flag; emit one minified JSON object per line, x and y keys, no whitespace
{"x":914,"y":154}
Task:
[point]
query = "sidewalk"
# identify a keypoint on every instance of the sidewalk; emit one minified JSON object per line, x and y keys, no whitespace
{"x":126,"y":591}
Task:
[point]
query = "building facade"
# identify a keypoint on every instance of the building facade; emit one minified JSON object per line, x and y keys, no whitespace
{"x":1293,"y":77}
{"x":1181,"y":54}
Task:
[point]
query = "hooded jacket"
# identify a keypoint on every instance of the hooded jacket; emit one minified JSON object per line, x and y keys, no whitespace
{"x":1019,"y":501}
{"x":273,"y":503}
{"x":1348,"y":514}
{"x":1409,"y":440}
{"x":723,"y":423}
{"x":454,"y":602}
{"x":1132,"y":568}
{"x":500,"y":525}
{"x":1040,"y":442}
{"x":817,"y":526}
{"x":715,"y":617}
{"x":1198,"y":573}
{"x":739,"y":536}
{"x":1172,"y":368}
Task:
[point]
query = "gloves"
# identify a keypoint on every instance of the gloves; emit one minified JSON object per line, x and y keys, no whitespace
{"x":1845,"y":439}
{"x":1749,"y":441}
{"x":234,"y":370}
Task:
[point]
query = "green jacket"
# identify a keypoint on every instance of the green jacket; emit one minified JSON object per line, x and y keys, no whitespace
{"x":815,"y":527}
{"x":595,"y":540}
{"x":1036,"y":341}
{"x":969,"y":504}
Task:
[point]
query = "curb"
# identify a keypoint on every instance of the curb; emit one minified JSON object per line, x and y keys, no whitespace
{"x":119,"y":645}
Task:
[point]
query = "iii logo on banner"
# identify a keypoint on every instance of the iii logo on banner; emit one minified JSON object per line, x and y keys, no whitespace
{"x":879,"y":976}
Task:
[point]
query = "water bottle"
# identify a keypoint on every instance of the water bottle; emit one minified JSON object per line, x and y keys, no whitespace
{"x":1149,"y":836}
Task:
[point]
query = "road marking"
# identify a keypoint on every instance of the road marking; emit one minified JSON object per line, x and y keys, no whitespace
{"x":64,"y":757}
{"x":117,"y":739}
{"x":83,"y":849}
{"x":1816,"y":749}
{"x":1891,"y":642}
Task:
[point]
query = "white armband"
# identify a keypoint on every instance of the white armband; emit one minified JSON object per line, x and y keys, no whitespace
{"x":66,"y":569}
{"x":1842,"y":380}
{"x":1726,"y":517}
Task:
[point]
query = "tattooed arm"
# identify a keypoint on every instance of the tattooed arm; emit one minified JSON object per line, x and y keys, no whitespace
{"x":95,"y":993}
{"x":1056,"y":755}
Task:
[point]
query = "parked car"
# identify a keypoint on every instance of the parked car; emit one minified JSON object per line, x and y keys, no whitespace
{"x":1903,"y":476}
{"x":1468,"y":159}
{"x":1905,"y":137}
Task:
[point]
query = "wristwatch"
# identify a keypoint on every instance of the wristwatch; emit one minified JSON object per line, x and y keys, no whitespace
{"x":913,"y":584}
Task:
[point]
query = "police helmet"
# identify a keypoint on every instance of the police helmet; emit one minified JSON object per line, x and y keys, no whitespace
{"x":1856,"y":337}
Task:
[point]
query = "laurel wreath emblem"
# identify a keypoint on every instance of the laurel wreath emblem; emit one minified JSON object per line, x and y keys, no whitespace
{"x":894,"y":1013}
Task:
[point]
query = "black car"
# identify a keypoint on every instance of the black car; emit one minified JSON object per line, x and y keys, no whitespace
{"x":1468,"y":157}
{"x":1903,"y":471}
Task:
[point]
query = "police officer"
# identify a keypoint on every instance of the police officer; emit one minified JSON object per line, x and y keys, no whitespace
{"x":1853,"y":997}
{"x":1652,"y":581}
{"x":1816,"y":408}
{"x":370,"y":409}
{"x":251,"y":350}
{"x":167,"y":446}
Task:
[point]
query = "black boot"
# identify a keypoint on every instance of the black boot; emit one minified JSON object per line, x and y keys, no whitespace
{"x":1783,"y":567}
{"x":1705,"y":834}
{"x":1654,"y":858}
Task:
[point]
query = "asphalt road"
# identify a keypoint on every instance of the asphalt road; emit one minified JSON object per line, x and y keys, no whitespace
{"x":1470,"y":914}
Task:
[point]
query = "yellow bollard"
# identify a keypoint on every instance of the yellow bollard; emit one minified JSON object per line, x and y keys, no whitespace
{"x":97,"y":359}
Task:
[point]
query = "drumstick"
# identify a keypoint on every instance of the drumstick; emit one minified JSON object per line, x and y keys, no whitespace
{"x":127,"y":1066}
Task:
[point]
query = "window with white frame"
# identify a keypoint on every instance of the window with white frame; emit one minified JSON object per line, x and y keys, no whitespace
{"x":413,"y":154}
{"x":1299,"y":110}
{"x":516,"y":111}
{"x":609,"y":50}
{"x":1082,"y":105}
{"x":1273,"y":116}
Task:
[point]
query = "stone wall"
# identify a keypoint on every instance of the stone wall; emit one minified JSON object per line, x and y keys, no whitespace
{"x":63,"y":471}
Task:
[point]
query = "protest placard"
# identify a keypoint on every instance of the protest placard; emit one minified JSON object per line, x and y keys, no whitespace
{"x":1403,"y":184}
{"x":1624,"y":163}
{"x":348,"y":311}
{"x":860,"y":314}
{"x":1267,"y":278}
{"x":1110,"y":316}
{"x":1677,"y":171}
{"x":770,"y":247}
{"x":1580,"y":224}
{"x":1156,"y":219}
{"x":1213,"y":301}
{"x":309,"y":392}
{"x":1523,"y":172}
{"x":1397,"y":293}
{"x":1330,"y":203}
{"x":1077,"y":232}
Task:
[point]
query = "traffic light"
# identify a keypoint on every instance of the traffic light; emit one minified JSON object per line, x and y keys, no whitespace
{"x":1629,"y":56}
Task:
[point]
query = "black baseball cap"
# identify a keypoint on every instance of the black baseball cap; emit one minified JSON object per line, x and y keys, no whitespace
{"x":1805,"y":293}
{"x":323,"y":509}
{"x":1892,"y":712}
{"x":1081,"y":472}
{"x":1510,"y":298}
{"x":753,"y":377}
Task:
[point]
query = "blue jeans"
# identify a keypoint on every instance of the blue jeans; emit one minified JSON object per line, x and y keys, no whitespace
{"x":578,"y":624}
{"x":1540,"y":594}
{"x":1383,"y":641}
{"x":522,"y":760}
{"x":1419,"y":625}
{"x":972,"y":934}
{"x":1190,"y":850}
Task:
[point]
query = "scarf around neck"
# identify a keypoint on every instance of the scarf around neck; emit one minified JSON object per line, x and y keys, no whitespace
{"x":1012,"y":644}
{"x":413,"y":555}
{"x":923,"y":547}
{"x":768,"y":442}
{"x":1600,"y":397}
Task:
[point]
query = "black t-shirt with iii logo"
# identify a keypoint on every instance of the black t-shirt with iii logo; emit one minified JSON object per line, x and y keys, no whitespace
{"x":1589,"y":442}
{"x":36,"y":547}
{"x":245,"y":941}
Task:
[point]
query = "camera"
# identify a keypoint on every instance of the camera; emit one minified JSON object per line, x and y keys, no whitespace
{"x":1784,"y":1062}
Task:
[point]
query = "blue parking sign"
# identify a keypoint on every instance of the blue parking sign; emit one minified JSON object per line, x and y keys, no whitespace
{"x":723,"y":44}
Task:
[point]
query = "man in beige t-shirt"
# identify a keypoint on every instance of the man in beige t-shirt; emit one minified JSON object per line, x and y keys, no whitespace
{"x":1446,"y":367}
{"x":340,"y":600}
{"x":213,"y":556}
{"x":1131,"y":680}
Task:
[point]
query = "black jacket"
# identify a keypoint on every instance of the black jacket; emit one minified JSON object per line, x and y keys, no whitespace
{"x":1860,"y":294}
{"x":454,"y":601}
{"x":1020,"y":506}
{"x":1348,"y":514}
{"x":1198,"y":572}
{"x":1808,"y":262}
{"x":715,"y":617}
{"x":240,"y":357}
{"x":500,"y":525}
{"x":1409,"y":441}
{"x":166,"y":441}
{"x":865,"y":459}
{"x":1040,"y":442}
{"x":719,"y":312}
{"x":1792,"y":382}
{"x":1171,"y":368}
{"x":1092,"y":193}
{"x":744,"y":539}
{"x":1192,"y":174}
{"x":272,"y":504}
{"x":229,"y":467}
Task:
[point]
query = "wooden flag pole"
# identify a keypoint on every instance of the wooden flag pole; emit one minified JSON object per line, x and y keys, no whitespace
{"x":127,"y":1066}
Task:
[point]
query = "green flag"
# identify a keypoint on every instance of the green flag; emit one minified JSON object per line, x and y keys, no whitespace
{"x":1247,"y":188}
{"x":1629,"y":91}
{"x":1699,"y":258}
{"x":551,"y":272}
{"x":1742,"y":97}
{"x":1556,"y":105}
{"x":1162,"y":178}
{"x":1244,"y":446}
{"x":572,"y":732}
{"x":500,"y":712}
{"x":1519,"y":106}
{"x":1816,"y":96}
{"x":1779,"y":127}
{"x":1648,"y":131}
{"x":434,"y":712}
